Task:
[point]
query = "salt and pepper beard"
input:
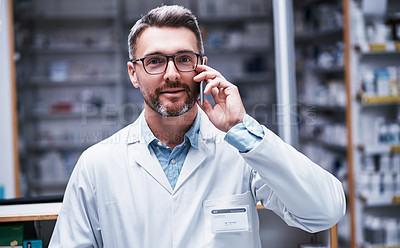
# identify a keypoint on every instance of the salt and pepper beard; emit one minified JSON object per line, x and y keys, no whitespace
{"x":152,"y":99}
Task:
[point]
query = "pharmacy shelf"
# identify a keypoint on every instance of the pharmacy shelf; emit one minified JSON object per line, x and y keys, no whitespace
{"x":317,"y":100}
{"x":329,"y":70}
{"x":72,"y":50}
{"x":258,"y":103}
{"x":47,"y":83}
{"x":235,"y":50}
{"x":49,"y":184}
{"x":316,"y":37}
{"x":364,"y":59}
{"x":323,"y":107}
{"x":379,"y":149}
{"x":391,"y":48}
{"x":379,"y":54}
{"x":342,"y":148}
{"x":45,"y":19}
{"x":217,"y":20}
{"x":378,"y":100}
{"x":43,"y":27}
{"x":334,"y":71}
{"x":380,"y":201}
{"x":395,"y":149}
{"x":74,"y":115}
{"x":229,"y":19}
{"x":307,"y":3}
{"x":59,"y":146}
{"x":253,"y":78}
{"x":54,"y":32}
{"x":380,"y":246}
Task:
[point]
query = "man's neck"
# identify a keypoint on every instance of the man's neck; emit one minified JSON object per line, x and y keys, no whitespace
{"x":170,"y":130}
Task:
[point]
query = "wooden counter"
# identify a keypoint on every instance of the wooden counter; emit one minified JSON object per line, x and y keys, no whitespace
{"x":29,"y":212}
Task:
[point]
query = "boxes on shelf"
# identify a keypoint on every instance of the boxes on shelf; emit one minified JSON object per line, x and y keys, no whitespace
{"x":33,"y":244}
{"x":11,"y":236}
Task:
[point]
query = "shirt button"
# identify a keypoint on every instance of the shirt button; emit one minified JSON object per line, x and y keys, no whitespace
{"x":173,"y":161}
{"x":159,"y":143}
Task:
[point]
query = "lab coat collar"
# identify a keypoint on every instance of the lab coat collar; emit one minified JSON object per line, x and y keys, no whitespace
{"x":140,"y":154}
{"x":208,"y":132}
{"x":191,"y":136}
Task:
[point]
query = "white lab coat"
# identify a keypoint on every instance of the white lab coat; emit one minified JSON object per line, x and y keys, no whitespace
{"x":118,"y":195}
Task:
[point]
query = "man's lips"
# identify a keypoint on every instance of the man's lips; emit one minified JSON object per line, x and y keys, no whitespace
{"x":172,"y":91}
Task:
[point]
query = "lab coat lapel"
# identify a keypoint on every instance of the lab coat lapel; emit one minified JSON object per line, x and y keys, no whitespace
{"x":193,"y":161}
{"x":140,"y":154}
{"x":195,"y":158}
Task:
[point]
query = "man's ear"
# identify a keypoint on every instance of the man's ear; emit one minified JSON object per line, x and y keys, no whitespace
{"x":132,"y":74}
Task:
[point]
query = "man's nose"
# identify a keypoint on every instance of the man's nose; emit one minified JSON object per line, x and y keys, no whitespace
{"x":171,"y":73}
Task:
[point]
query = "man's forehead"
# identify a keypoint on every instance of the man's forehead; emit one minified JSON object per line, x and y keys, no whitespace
{"x":166,"y":40}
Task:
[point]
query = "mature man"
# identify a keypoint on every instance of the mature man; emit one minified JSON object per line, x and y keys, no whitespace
{"x":184,"y":175}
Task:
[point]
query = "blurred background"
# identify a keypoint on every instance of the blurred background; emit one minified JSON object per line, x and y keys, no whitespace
{"x":72,"y":90}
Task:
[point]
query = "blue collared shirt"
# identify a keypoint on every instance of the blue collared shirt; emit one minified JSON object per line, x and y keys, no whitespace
{"x":170,"y":160}
{"x":244,"y":136}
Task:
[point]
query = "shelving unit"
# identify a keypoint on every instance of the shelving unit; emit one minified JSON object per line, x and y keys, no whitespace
{"x":74,"y":89}
{"x":367,"y":160}
{"x":379,"y":100}
{"x":239,"y":42}
{"x":374,"y":91}
{"x":320,"y":79}
{"x":321,"y":84}
{"x":69,"y":85}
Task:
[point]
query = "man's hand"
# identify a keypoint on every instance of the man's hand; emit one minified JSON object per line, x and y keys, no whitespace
{"x":228,"y":110}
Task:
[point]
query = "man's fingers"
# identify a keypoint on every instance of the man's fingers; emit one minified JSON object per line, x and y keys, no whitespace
{"x":205,"y":75}
{"x":218,"y":83}
{"x":207,"y":107}
{"x":218,"y":95}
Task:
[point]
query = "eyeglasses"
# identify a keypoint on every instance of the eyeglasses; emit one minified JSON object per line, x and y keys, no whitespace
{"x":157,"y":64}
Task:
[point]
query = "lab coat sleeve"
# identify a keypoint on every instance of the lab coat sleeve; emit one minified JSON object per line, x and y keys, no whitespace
{"x":245,"y":135}
{"x":78,"y":223}
{"x":302,"y":193}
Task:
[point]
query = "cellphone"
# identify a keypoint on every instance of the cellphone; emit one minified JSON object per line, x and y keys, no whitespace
{"x":203,"y":62}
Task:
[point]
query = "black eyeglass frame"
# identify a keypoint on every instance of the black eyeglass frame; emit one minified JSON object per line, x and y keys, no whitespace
{"x":166,"y":64}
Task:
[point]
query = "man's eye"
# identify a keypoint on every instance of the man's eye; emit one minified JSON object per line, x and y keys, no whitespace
{"x":185,"y":59}
{"x":153,"y":61}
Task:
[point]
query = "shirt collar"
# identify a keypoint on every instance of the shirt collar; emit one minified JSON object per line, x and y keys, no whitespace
{"x":192,"y":135}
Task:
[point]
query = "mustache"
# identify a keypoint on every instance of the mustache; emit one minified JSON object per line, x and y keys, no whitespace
{"x":170,"y":85}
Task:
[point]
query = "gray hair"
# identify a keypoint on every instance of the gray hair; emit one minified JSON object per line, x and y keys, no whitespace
{"x":165,"y":16}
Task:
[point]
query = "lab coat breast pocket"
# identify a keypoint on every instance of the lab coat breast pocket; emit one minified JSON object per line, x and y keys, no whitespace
{"x":229,"y":221}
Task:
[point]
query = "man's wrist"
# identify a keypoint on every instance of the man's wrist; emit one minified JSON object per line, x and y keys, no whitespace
{"x":239,"y":120}
{"x":245,"y":135}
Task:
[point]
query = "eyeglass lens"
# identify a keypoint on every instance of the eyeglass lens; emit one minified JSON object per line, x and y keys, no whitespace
{"x":158,"y":63}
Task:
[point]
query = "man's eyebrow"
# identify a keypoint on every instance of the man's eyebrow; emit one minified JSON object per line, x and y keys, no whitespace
{"x":162,"y":53}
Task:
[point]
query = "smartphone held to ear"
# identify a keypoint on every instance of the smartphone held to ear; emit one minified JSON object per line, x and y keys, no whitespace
{"x":203,"y":62}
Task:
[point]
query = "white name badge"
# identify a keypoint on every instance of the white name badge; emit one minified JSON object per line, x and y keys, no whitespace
{"x":230,"y":220}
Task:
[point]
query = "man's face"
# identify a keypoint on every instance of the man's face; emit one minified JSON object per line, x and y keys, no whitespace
{"x":171,"y":93}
